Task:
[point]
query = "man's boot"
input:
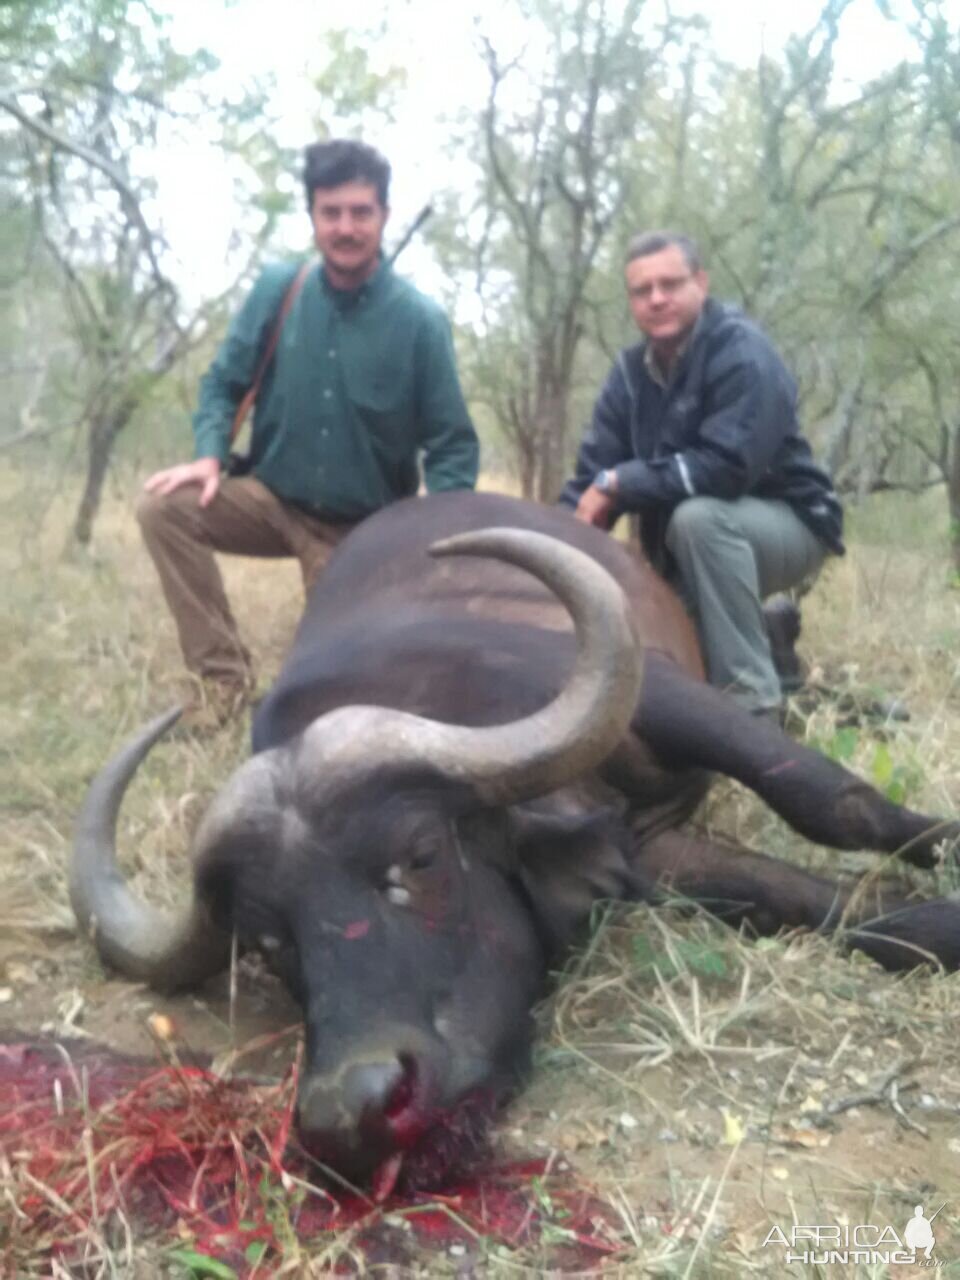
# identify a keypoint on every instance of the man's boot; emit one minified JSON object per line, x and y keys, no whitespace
{"x":782,"y":619}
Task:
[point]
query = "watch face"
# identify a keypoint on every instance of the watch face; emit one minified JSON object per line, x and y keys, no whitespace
{"x":602,"y":482}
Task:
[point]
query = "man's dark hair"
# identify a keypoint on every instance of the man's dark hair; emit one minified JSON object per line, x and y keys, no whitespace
{"x":331,"y":164}
{"x":648,"y":242}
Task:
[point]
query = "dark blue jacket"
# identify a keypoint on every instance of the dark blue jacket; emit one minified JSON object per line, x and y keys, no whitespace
{"x":726,"y":426}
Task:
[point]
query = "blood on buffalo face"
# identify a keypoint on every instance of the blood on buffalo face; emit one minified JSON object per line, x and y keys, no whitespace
{"x":411,"y":949}
{"x":373,"y":850}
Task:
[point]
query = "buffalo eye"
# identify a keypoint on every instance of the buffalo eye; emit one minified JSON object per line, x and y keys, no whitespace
{"x":403,"y":880}
{"x":422,"y":860}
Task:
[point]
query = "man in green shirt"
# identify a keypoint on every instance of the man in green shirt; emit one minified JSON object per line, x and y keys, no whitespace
{"x":362,"y":388}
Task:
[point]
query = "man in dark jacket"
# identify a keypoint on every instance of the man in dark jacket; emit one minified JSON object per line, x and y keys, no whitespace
{"x":361,"y":390}
{"x":696,"y":431}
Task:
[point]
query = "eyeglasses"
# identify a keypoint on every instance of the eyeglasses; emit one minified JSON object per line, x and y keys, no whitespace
{"x":668,"y":286}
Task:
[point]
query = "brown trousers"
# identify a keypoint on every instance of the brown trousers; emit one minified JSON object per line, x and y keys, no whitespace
{"x":245,"y":519}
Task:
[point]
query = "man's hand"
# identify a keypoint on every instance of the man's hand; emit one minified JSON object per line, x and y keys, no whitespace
{"x":595,"y":508}
{"x":204,"y":472}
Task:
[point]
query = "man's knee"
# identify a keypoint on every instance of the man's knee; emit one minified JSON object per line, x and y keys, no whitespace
{"x":156,"y":512}
{"x":696,"y":521}
{"x":171,"y":524}
{"x":151,"y":510}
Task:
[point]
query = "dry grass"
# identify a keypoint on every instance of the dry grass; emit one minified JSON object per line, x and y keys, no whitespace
{"x":708,"y":1088}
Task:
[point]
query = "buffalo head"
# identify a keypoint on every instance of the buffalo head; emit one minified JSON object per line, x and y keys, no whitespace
{"x":372,"y":858}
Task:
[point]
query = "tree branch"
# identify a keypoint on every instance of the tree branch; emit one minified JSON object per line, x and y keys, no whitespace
{"x":93,"y":158}
{"x":903,"y":257}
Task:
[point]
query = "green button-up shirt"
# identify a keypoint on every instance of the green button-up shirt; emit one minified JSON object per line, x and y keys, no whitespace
{"x":362,"y":386}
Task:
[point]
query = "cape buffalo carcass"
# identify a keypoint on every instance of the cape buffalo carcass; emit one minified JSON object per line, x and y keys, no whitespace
{"x":446,"y":776}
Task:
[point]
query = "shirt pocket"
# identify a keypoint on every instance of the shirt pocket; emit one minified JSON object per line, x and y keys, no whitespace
{"x":378,"y":391}
{"x":383,"y":402}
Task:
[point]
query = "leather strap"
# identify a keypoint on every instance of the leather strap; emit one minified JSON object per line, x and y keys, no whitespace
{"x":247,"y":403}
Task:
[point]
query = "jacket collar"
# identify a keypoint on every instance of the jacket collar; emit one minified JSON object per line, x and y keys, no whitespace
{"x":711,"y":314}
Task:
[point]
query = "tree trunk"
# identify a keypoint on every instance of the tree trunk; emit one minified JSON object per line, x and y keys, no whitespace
{"x":104,"y":430}
{"x":953,"y":497}
{"x":553,"y":438}
{"x":106,"y":425}
{"x":552,"y":400}
{"x":841,"y":431}
{"x":527,"y":458}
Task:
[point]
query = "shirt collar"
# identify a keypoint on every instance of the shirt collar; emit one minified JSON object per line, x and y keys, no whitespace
{"x":345,"y":298}
{"x":650,"y":361}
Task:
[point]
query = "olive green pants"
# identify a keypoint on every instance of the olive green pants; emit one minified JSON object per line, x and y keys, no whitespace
{"x":728,"y":557}
{"x":245,"y":519}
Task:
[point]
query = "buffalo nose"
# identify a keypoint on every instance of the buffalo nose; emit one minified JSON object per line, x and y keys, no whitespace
{"x":370,"y":1086}
{"x":366,"y":1095}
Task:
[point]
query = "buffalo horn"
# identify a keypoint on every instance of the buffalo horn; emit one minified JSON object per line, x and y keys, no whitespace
{"x":145,"y":944}
{"x":509,"y":763}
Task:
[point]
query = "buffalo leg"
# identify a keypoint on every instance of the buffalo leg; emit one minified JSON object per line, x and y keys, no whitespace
{"x":740,"y":886}
{"x":690,"y":725}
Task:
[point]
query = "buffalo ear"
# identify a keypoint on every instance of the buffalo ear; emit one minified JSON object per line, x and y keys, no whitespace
{"x":566,"y":865}
{"x":241,"y":901}
{"x":214,"y":885}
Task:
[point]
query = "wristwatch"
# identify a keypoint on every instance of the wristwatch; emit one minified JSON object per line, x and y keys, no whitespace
{"x":605,"y":481}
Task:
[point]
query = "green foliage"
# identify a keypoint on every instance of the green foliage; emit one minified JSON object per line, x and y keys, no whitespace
{"x":255,"y":1251}
{"x":552,"y":1215}
{"x":899,"y":780}
{"x":352,"y":91}
{"x":201,"y":1267}
{"x":843,"y":744}
{"x":94,"y":88}
{"x":572,"y":95}
{"x":913,"y":522}
{"x":687,"y":955}
{"x":827,"y":209}
{"x":280,"y":1209}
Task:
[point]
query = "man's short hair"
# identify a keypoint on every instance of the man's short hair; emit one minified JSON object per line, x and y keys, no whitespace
{"x":649,"y":242}
{"x":331,"y":164}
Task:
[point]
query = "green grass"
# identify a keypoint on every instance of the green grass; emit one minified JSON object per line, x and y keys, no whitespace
{"x":908,"y":521}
